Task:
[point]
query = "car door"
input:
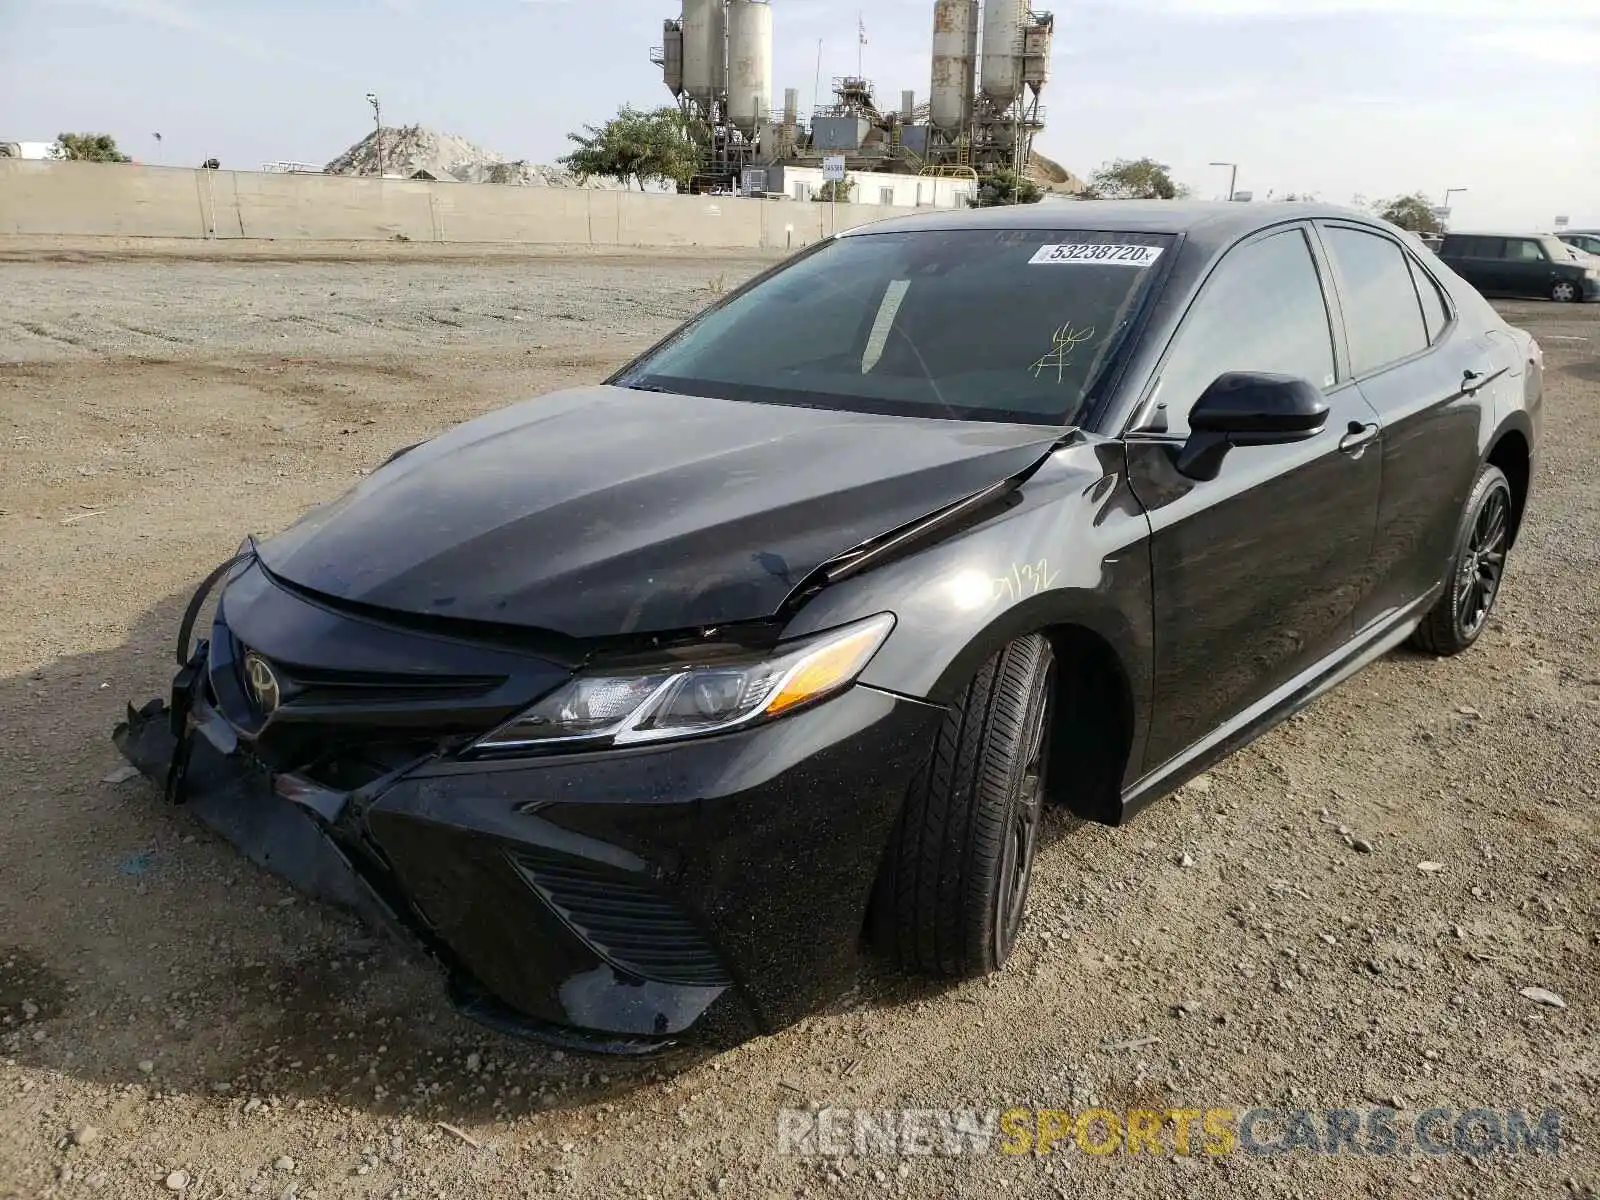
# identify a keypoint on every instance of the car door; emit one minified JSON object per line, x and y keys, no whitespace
{"x":1477,"y":260}
{"x":1420,"y":369}
{"x":1520,"y":266}
{"x":1528,"y":269}
{"x":1496,"y":273}
{"x":1258,"y":571}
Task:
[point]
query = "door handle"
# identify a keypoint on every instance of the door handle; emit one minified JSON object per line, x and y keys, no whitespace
{"x":1357,"y":437}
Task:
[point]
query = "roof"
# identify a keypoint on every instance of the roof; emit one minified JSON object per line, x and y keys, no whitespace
{"x":1504,"y":233}
{"x":1220,"y":221}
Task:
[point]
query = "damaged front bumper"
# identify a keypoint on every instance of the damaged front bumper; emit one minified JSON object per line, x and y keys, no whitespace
{"x":191,"y":753}
{"x":610,"y":901}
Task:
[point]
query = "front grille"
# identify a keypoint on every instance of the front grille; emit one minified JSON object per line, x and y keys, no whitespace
{"x":324,"y":688}
{"x":624,"y":919}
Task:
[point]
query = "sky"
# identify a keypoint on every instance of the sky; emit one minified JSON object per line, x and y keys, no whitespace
{"x":1338,"y":98}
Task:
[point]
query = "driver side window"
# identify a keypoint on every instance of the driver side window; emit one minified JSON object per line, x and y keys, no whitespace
{"x":1261,"y":310}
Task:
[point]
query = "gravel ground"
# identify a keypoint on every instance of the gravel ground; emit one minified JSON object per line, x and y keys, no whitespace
{"x":174,"y":1018}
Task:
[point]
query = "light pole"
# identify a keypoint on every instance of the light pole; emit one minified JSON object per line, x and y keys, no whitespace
{"x":377,"y":120}
{"x":1448,"y":192}
{"x":1233,"y":176}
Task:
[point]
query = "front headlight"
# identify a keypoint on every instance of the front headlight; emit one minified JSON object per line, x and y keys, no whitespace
{"x":652,"y":704}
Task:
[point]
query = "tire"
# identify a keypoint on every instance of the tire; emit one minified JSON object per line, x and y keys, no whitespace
{"x":1564,"y":291}
{"x":1477,"y":569}
{"x":955,"y":880}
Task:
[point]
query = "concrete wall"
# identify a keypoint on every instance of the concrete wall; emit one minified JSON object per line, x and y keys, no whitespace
{"x":123,"y":199}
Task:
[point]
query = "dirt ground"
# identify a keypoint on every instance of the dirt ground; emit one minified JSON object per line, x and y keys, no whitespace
{"x":167,"y":1008}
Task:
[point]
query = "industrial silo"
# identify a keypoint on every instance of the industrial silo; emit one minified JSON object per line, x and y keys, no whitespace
{"x":955,"y":49}
{"x":1036,"y":46}
{"x":705,"y":68}
{"x":672,"y":57}
{"x":1002,"y":50}
{"x":749,"y":63}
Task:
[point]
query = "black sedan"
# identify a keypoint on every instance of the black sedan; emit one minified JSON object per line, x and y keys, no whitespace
{"x":653,"y":706}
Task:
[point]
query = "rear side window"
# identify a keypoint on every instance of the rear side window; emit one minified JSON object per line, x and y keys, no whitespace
{"x":1381,"y":311}
{"x":1467,"y":246}
{"x":1261,"y":310}
{"x":1435,"y":310}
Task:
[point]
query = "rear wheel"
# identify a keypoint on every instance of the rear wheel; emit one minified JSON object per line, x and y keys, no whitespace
{"x":1563,"y":291}
{"x":1484,"y":539}
{"x":955,"y":883}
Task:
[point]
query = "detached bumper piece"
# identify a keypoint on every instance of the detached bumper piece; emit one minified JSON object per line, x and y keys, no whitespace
{"x":238,"y":803}
{"x":613,"y":901}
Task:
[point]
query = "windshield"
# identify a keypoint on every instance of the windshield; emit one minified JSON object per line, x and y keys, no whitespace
{"x":992,"y":324}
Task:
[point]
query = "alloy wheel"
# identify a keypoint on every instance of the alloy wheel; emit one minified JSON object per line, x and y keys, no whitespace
{"x":1563,"y":292}
{"x":1483,"y":562}
{"x":1022,"y":826}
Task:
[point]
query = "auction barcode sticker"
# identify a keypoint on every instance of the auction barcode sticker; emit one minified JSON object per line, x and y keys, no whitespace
{"x":1098,"y":252}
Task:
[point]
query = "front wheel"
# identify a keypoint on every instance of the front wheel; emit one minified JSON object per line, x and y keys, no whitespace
{"x":1482,"y":543}
{"x":1564,"y":291}
{"x":955,"y":881}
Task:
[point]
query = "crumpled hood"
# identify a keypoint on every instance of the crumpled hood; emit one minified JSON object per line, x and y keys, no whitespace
{"x":602,"y":511}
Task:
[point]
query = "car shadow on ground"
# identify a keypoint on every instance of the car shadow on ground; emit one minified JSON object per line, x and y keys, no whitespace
{"x":143,"y":951}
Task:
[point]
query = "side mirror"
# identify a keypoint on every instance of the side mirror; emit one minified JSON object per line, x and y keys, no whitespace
{"x":1249,"y":408}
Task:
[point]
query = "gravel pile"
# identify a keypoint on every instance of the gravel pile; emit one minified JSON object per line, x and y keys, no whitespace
{"x":408,"y":149}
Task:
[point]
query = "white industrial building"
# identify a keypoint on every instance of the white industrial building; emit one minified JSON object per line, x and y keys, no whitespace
{"x":797,"y":182}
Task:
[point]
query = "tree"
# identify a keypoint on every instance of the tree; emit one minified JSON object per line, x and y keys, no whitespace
{"x":1133,"y":179}
{"x":1413,"y":213}
{"x":89,"y":147}
{"x":1005,"y":186}
{"x":636,"y":145}
{"x":841,"y":190}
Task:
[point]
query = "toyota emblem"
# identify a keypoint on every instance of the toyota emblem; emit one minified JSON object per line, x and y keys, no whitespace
{"x":263,"y":683}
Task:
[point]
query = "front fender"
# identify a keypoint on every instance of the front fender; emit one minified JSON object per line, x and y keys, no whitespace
{"x":1074,"y":551}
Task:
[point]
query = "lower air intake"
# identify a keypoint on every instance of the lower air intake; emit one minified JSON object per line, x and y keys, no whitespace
{"x":624,"y":919}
